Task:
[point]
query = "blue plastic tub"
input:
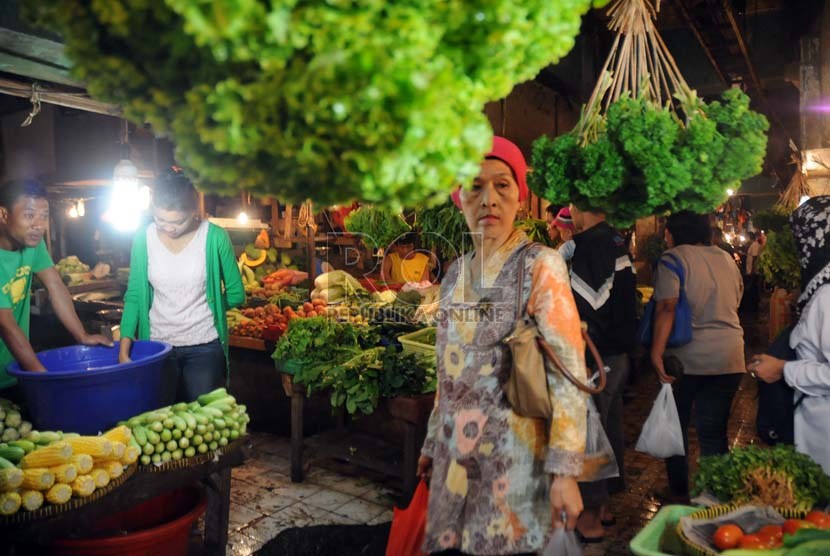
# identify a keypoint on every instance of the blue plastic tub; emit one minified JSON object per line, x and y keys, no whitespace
{"x":86,"y":390}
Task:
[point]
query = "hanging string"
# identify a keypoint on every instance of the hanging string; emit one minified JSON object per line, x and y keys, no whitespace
{"x":35,"y":100}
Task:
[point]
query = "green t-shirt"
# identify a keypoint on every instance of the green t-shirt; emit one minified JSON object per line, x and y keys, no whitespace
{"x":16,"y":270}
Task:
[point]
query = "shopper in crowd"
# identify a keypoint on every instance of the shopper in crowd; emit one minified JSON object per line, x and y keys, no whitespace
{"x":604,"y":286}
{"x":752,"y":288}
{"x":499,"y":481}
{"x":719,"y":240}
{"x":713,"y":362}
{"x":810,"y":374}
{"x":565,"y":225}
{"x":24,"y":219}
{"x":183,"y":279}
{"x":402,"y":263}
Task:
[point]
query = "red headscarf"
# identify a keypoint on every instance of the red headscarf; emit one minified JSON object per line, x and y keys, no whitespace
{"x":506,"y":151}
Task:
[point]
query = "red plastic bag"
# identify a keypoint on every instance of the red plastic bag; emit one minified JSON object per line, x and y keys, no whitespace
{"x":408,"y":525}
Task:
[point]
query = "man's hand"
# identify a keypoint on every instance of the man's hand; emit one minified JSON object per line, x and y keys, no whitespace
{"x":425,"y":468}
{"x":565,"y":498}
{"x":767,"y":368}
{"x":95,"y":340}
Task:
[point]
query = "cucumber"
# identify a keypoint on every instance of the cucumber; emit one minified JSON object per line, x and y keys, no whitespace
{"x":26,"y":445}
{"x":197,"y":439}
{"x":148,"y":449}
{"x":190,"y":452}
{"x":189,"y":419}
{"x":189,"y":433}
{"x":201,"y":418}
{"x":47,"y":437}
{"x":225,"y":433}
{"x":201,"y":429}
{"x":177,"y":434}
{"x":219,"y":424}
{"x":227,"y":400}
{"x":211,"y":412}
{"x":156,"y":458}
{"x":223,"y":441}
{"x":157,"y":426}
{"x":202,"y":448}
{"x":811,"y":548}
{"x":153,"y":437}
{"x":209,"y":437}
{"x":166,"y":435}
{"x":234,"y":434}
{"x":217,"y":394}
{"x":193,"y":406}
{"x":12,"y":453}
{"x":179,"y":423}
{"x":140,"y":435}
{"x":184,"y":443}
{"x":223,"y":407}
{"x":166,"y":456}
{"x":177,"y":455}
{"x":169,"y":424}
{"x":6,"y":464}
{"x":153,"y":416}
{"x":171,"y":445}
{"x":146,"y":460}
{"x":33,"y":436}
{"x":134,"y":422}
{"x":213,"y":446}
{"x":181,"y":406}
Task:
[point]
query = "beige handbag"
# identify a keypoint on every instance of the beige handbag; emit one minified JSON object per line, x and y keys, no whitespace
{"x":527,"y":386}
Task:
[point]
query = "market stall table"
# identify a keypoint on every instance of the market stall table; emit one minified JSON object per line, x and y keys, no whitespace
{"x":214,"y":476}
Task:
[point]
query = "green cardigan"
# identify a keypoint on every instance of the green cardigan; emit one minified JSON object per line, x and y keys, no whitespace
{"x":224,"y":286}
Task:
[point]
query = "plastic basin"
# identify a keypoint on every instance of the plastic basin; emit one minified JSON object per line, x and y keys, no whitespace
{"x":86,"y":390}
{"x":158,"y":527}
{"x":647,"y":541}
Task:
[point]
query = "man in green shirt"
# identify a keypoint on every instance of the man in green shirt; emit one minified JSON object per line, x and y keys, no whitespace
{"x":24,"y":215}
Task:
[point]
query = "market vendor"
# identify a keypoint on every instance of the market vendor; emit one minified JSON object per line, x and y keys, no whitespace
{"x":24,"y":218}
{"x":183,"y":279}
{"x":403,"y":264}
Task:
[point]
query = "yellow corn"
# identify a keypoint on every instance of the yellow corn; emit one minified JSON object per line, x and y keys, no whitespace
{"x":59,"y":494}
{"x":9,"y":503}
{"x":118,"y":449}
{"x":131,"y":454}
{"x":31,"y":499}
{"x":101,"y":477}
{"x":10,"y":479}
{"x":37,"y":479}
{"x":54,"y":454}
{"x":65,"y":473}
{"x":83,"y":462}
{"x":95,"y":446}
{"x":120,"y":434}
{"x":84,"y":485}
{"x":113,"y":468}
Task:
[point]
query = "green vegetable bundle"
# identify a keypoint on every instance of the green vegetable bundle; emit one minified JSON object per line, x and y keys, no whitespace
{"x":379,"y":227}
{"x":778,"y":262}
{"x":186,"y":429}
{"x":536,"y":230}
{"x":375,"y":100}
{"x":442,"y":230}
{"x":320,"y":340}
{"x":644,"y":160}
{"x":726,"y":476}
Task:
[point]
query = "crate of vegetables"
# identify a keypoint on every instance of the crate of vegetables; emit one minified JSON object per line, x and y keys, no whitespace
{"x":421,"y":341}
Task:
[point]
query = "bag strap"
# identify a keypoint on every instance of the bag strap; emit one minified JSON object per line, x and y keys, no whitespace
{"x":677,"y":268}
{"x":548,"y":352}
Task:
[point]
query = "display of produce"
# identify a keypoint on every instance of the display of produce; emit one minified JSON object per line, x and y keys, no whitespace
{"x":338,"y":286}
{"x":442,"y":229}
{"x":378,"y":227}
{"x":777,"y":476}
{"x":12,"y":425}
{"x":72,"y":270}
{"x":185,"y":429}
{"x":303,"y":100}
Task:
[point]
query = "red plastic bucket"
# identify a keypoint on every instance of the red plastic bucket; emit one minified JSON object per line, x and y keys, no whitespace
{"x":158,"y":527}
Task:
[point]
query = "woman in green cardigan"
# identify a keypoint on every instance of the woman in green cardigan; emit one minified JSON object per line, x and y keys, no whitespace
{"x":183,"y":278}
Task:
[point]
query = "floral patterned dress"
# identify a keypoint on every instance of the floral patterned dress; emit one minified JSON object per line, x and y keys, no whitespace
{"x":489,"y":492}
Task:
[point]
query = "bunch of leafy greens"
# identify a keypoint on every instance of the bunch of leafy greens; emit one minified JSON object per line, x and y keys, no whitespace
{"x":778,"y":262}
{"x":442,"y":230}
{"x":772,"y":220}
{"x":641,"y":159}
{"x":320,"y":340}
{"x":379,"y":227}
{"x":726,"y":475}
{"x":536,"y":230}
{"x":374,"y":100}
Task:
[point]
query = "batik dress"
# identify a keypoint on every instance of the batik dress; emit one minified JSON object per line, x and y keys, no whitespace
{"x":489,"y":492}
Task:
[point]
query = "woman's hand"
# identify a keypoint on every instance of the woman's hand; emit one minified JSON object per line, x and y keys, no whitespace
{"x":766,"y":367}
{"x":425,"y":468}
{"x":565,"y":497}
{"x":95,"y":340}
{"x":660,"y":368}
{"x":124,"y":350}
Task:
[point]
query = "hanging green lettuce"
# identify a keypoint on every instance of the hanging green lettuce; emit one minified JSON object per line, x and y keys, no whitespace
{"x":379,"y":227}
{"x":338,"y":100}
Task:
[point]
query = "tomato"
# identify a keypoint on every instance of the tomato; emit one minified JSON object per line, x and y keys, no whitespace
{"x":771,"y":535}
{"x":819,"y":519}
{"x":751,"y":541}
{"x":727,"y":536}
{"x":793,"y":525}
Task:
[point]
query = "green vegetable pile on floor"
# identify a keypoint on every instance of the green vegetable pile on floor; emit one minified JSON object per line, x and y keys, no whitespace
{"x":730,"y":476}
{"x":186,"y":429}
{"x":334,"y":101}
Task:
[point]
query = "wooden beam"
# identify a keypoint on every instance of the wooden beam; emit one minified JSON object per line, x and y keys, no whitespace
{"x":69,"y":99}
{"x":35,"y":58}
{"x":753,"y":74}
{"x":681,"y":7}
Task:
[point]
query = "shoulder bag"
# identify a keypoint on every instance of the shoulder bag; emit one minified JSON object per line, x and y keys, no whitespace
{"x":681,"y":332}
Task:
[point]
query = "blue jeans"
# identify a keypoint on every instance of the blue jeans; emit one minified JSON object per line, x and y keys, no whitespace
{"x":712,"y":397}
{"x":195,"y":370}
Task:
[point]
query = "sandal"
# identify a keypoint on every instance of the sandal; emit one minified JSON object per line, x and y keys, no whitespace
{"x":588,"y":540}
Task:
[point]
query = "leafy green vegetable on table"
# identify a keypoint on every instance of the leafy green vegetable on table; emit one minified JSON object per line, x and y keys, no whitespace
{"x":726,"y":475}
{"x":376,"y":100}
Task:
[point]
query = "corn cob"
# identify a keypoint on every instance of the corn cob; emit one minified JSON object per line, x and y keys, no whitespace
{"x":59,"y":494}
{"x":48,"y":456}
{"x":31,"y":499}
{"x":9,"y":503}
{"x":131,"y":454}
{"x":101,"y":477}
{"x":120,"y":434}
{"x":118,"y":449}
{"x":84,"y":485}
{"x":83,"y":462}
{"x":65,"y":473}
{"x":37,"y":479}
{"x":95,"y":446}
{"x":10,"y":479}
{"x":113,"y":468}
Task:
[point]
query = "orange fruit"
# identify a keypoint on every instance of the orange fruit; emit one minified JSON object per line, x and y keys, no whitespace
{"x":727,"y":536}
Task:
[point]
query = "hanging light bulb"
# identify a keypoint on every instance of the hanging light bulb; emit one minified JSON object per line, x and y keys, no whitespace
{"x":242,"y":218}
{"x":730,"y":191}
{"x":80,"y":207}
{"x":72,"y":212}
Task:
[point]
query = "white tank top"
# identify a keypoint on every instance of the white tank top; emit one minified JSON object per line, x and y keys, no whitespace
{"x":180,"y":314}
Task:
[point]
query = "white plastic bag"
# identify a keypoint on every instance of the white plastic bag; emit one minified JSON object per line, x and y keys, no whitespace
{"x":563,"y":543}
{"x":662,"y":436}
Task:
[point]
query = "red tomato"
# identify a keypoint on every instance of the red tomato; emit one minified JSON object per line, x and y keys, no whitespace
{"x":793,"y":525}
{"x":751,"y":541}
{"x":819,"y":519}
{"x":771,"y":536}
{"x":727,"y":536}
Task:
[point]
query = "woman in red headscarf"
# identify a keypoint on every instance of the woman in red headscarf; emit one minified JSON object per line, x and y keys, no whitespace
{"x":499,"y":482}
